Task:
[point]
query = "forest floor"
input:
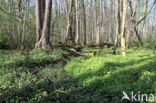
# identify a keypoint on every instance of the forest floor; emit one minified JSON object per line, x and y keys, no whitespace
{"x":43,"y":76}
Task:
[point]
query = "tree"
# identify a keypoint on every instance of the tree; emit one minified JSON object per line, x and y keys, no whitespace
{"x":123,"y":41}
{"x":111,"y":23}
{"x":43,"y":34}
{"x":71,"y":26}
{"x":38,"y":22}
{"x":77,"y":39}
{"x":76,"y":22}
{"x":144,"y":13}
{"x":84,"y":22}
{"x":97,"y":10}
{"x":117,"y":24}
{"x":91,"y":22}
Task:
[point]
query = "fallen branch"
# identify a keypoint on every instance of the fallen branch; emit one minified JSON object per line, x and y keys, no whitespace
{"x":100,"y":45}
{"x":73,"y":51}
{"x":78,"y":47}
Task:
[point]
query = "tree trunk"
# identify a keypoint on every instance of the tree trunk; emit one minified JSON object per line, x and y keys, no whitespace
{"x":117,"y":24}
{"x":110,"y":22}
{"x":97,"y":6}
{"x":144,"y":13}
{"x":19,"y":37}
{"x":71,"y":26}
{"x":123,"y":41}
{"x":133,"y":16}
{"x":91,"y":26}
{"x":42,"y":10}
{"x":84,"y":21}
{"x":38,"y":22}
{"x":44,"y":41}
{"x":24,"y":21}
{"x":77,"y":39}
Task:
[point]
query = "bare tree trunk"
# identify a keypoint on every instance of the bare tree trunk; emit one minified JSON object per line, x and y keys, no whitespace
{"x":71,"y":26}
{"x":42,"y":10}
{"x":38,"y":22}
{"x":123,"y":41}
{"x":91,"y":21}
{"x":104,"y":20}
{"x":133,"y":20}
{"x":56,"y":38}
{"x":19,"y":37}
{"x":43,"y":41}
{"x":139,"y":13}
{"x":117,"y":24}
{"x":67,"y":12}
{"x":77,"y":39}
{"x":144,"y":13}
{"x":97,"y":4}
{"x":110,"y":22}
{"x":24,"y":21}
{"x":84,"y":21}
{"x":66,"y":6}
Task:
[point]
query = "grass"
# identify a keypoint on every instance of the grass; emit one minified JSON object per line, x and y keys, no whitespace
{"x":97,"y":79}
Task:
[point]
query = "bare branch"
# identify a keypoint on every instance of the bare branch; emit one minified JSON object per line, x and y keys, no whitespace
{"x":145,"y":14}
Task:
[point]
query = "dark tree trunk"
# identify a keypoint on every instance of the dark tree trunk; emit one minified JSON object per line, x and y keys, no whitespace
{"x":38,"y":21}
{"x":71,"y":27}
{"x":43,"y":41}
{"x":84,"y":21}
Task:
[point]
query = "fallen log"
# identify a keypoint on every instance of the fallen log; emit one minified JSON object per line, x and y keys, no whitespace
{"x":74,"y":52}
{"x":100,"y":45}
{"x":79,"y":47}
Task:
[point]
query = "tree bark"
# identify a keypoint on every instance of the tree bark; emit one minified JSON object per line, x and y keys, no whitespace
{"x":38,"y":22}
{"x":71,"y":26}
{"x":77,"y":39}
{"x":144,"y":13}
{"x":91,"y":36}
{"x":123,"y":41}
{"x":44,"y":40}
{"x":97,"y":6}
{"x":19,"y":37}
{"x":84,"y":21}
{"x":111,"y":22}
{"x":117,"y":24}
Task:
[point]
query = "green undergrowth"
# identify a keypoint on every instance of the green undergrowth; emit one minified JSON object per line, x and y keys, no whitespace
{"x":31,"y":58}
{"x":105,"y":77}
{"x":23,"y":76}
{"x":104,"y":50}
{"x":31,"y":77}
